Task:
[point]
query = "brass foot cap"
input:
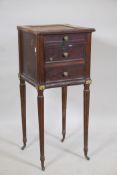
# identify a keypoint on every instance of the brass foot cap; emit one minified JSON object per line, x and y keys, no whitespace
{"x":23,"y":147}
{"x":88,"y":158}
{"x":62,"y":140}
{"x":43,"y":168}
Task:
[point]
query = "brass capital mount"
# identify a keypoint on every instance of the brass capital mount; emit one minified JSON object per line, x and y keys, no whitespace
{"x":88,"y":82}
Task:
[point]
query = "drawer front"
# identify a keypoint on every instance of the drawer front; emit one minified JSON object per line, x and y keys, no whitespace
{"x":70,"y":52}
{"x":56,"y":72}
{"x":65,"y":38}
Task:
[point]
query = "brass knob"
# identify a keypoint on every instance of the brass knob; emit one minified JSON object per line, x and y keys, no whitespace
{"x":65,"y":54}
{"x":66,"y":38}
{"x":51,"y":58}
{"x":65,"y":74}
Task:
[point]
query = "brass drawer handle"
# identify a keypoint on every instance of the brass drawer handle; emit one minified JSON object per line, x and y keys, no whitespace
{"x":66,"y":38}
{"x":51,"y":58}
{"x":65,"y":54}
{"x":65,"y":74}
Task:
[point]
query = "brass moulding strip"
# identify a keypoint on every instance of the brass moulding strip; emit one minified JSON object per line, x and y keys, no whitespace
{"x":88,"y":82}
{"x":41,"y":87}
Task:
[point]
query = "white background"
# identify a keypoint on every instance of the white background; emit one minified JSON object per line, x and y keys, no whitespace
{"x":61,"y":158}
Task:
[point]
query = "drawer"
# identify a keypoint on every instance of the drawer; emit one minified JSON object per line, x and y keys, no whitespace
{"x":63,"y":71}
{"x":70,"y":52}
{"x":65,"y":38}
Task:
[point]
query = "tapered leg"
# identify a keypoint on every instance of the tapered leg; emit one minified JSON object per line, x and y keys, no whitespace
{"x":86,"y":118}
{"x":40,"y":103}
{"x":64,"y":104}
{"x":23,"y":110}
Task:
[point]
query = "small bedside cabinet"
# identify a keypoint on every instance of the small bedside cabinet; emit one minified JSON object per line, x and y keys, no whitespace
{"x":54,"y":56}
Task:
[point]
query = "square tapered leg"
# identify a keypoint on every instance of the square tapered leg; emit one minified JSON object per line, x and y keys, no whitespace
{"x":40,"y":104}
{"x":23,"y":110}
{"x":64,"y":104}
{"x":86,"y":118}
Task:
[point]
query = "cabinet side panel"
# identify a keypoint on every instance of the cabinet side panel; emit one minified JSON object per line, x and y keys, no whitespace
{"x":40,"y":60}
{"x":88,"y":56}
{"x":29,"y":55}
{"x":20,"y":50}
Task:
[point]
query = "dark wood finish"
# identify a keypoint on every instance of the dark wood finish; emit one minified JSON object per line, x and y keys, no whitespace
{"x":63,"y":53}
{"x":59,"y":39}
{"x":54,"y":56}
{"x":23,"y":110}
{"x":86,"y":118}
{"x":40,"y":60}
{"x":88,"y":57}
{"x":64,"y":105}
{"x":56,"y":72}
{"x":40,"y":104}
{"x":55,"y":29}
{"x":29,"y":56}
